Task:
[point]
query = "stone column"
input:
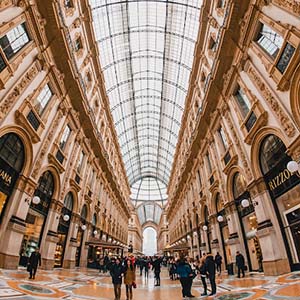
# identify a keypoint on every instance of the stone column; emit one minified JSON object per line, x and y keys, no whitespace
{"x":84,"y":247}
{"x":50,"y":237}
{"x":71,"y":243}
{"x":13,"y":225}
{"x":275,"y":259}
{"x":235,"y":241}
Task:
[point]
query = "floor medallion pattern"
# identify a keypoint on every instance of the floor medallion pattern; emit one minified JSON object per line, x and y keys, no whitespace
{"x":87,"y":284}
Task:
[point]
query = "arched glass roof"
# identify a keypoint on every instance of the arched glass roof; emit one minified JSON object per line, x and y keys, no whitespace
{"x":146,"y":53}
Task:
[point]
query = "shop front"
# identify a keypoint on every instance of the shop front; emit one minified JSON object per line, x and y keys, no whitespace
{"x":12,"y":156}
{"x":36,"y":217}
{"x":284,"y":190}
{"x":248,"y":223}
{"x":223,"y":227}
{"x":63,"y":230}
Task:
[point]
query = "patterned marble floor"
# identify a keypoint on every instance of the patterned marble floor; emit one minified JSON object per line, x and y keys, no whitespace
{"x":90,"y":285}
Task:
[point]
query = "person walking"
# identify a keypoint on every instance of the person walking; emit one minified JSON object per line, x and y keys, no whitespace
{"x":34,"y":262}
{"x":146,"y":267}
{"x":240,"y":262}
{"x":218,"y":261}
{"x":211,"y":272}
{"x":141,"y":264}
{"x":116,"y":273}
{"x":203,"y":274}
{"x":185,"y":273}
{"x":129,"y":278}
{"x":156,"y":266}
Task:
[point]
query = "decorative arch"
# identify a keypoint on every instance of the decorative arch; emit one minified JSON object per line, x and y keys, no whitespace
{"x":27,"y":143}
{"x":150,"y":224}
{"x":229,"y":183}
{"x":216,"y":193}
{"x":295,"y":96}
{"x":258,"y":138}
{"x":55,"y":173}
{"x":75,"y":199}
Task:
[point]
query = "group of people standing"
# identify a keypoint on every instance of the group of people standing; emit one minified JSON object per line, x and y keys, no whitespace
{"x":186,"y":269}
{"x":120,"y":269}
{"x":126,"y":268}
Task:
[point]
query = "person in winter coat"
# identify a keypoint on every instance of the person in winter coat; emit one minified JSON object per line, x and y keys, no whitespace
{"x":218,"y":261}
{"x":211,"y":272}
{"x":184,"y":271}
{"x":116,"y":273}
{"x":156,"y":266}
{"x":129,"y":278}
{"x":203,"y":274}
{"x":34,"y":261}
{"x":240,"y":262}
{"x":146,"y":267}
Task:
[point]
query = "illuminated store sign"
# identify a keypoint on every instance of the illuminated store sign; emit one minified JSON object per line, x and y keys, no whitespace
{"x":280,"y":179}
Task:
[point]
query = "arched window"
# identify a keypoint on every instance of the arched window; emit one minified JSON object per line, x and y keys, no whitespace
{"x":46,"y":184}
{"x":45,"y":191}
{"x":84,"y":212}
{"x":219,"y":203}
{"x":94,"y":220}
{"x":272,"y":150}
{"x":206,"y":214}
{"x":12,"y":151}
{"x":68,"y":203}
{"x":238,"y":185}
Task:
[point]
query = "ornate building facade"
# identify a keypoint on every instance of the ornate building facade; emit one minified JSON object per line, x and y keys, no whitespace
{"x":63,"y":185}
{"x":230,"y":188}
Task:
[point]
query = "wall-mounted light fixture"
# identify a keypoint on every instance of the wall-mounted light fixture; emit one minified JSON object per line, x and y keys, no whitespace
{"x":35,"y":200}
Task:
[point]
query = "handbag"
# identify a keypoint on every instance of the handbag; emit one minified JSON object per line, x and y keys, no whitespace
{"x":134,"y":284}
{"x":29,"y":268}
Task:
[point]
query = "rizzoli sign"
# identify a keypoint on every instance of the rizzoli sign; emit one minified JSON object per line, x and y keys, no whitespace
{"x":280,"y":179}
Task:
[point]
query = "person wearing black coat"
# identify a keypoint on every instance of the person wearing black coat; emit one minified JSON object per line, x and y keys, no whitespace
{"x":34,"y":262}
{"x":156,"y":266}
{"x":218,"y":261}
{"x":240,"y":262}
{"x":211,"y":272}
{"x":116,"y":273}
{"x":203,"y":274}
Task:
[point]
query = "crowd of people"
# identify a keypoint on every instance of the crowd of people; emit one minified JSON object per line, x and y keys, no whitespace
{"x":184,"y":269}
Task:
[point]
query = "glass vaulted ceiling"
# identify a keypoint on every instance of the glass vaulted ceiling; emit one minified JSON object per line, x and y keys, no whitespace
{"x":146,"y":53}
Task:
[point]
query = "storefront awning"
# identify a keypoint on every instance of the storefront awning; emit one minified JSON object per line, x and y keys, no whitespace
{"x":103,"y":244}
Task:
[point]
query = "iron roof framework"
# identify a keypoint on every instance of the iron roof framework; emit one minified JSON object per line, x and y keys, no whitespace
{"x":146,"y":53}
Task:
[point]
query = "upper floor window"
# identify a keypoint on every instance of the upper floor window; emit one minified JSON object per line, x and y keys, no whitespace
{"x":208,"y":162}
{"x":2,"y":63}
{"x":14,"y":40}
{"x":80,"y":162}
{"x":223,"y":138}
{"x":220,"y":3}
{"x":43,"y":99}
{"x":64,"y":137}
{"x":78,"y":44}
{"x":68,"y":3}
{"x":269,"y":40}
{"x":242,"y":101}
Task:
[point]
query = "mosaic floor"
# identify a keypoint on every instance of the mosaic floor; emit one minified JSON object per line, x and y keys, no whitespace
{"x":90,"y":285}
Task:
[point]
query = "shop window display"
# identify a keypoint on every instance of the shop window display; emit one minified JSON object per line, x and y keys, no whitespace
{"x":284,"y":190}
{"x":12,"y":156}
{"x":63,"y":230}
{"x":36,"y":217}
